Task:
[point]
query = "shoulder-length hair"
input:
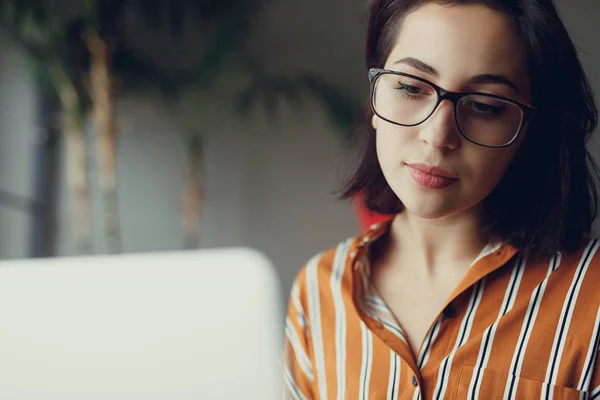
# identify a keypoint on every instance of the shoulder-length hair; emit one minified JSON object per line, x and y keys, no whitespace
{"x":547,"y":200}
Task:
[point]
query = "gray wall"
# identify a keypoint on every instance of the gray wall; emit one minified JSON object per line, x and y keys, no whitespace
{"x":581,"y":18}
{"x":269,"y":183}
{"x":17,"y":133}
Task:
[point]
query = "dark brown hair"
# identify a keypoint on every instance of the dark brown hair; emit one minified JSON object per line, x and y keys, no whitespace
{"x":547,"y":200}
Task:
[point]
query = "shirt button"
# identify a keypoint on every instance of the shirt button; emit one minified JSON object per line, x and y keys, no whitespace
{"x":415,"y":382}
{"x":449,"y":312}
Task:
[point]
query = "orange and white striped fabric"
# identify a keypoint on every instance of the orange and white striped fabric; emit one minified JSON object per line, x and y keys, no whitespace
{"x":512,"y":329}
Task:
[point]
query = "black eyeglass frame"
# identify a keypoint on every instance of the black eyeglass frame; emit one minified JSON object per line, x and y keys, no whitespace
{"x":454,"y":97}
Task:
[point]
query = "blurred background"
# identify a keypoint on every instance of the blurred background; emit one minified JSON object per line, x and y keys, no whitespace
{"x":138,"y":126}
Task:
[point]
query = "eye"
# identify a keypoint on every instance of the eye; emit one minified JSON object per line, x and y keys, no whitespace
{"x":413,"y":90}
{"x":483,"y":108}
{"x":409,"y":89}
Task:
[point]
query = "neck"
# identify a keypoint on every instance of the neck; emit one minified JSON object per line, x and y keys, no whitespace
{"x":437,"y":246}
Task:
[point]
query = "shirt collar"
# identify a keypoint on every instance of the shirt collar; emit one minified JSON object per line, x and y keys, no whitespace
{"x":495,"y":252}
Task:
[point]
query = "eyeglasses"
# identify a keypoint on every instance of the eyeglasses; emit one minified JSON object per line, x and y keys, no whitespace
{"x":484,"y":119}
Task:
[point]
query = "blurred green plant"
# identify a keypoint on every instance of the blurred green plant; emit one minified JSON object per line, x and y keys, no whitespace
{"x":82,"y":55}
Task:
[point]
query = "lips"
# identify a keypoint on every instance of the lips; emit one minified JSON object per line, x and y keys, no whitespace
{"x":431,"y":177}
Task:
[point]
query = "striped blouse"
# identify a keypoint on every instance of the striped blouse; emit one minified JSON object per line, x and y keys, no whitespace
{"x":512,"y":329}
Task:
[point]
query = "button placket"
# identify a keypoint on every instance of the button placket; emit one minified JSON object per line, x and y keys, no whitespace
{"x":415,"y":381}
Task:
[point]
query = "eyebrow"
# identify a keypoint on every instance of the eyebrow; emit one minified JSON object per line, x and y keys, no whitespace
{"x":420,"y":65}
{"x":477,"y":79}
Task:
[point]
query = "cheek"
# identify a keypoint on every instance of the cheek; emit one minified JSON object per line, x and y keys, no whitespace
{"x":391,"y":143}
{"x":488,"y":170}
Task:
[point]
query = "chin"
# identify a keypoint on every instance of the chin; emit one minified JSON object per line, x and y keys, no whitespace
{"x":432,"y":205}
{"x":429,"y":212}
{"x":436,"y":207}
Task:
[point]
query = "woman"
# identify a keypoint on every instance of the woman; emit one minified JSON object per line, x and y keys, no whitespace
{"x":484,"y":284}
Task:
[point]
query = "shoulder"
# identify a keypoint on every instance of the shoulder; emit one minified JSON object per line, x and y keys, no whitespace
{"x":335,"y":263}
{"x":589,"y":258}
{"x":586,"y":258}
{"x":582,"y":270}
{"x":319,"y":269}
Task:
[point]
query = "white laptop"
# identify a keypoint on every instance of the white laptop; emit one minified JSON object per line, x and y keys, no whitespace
{"x":195,"y":325}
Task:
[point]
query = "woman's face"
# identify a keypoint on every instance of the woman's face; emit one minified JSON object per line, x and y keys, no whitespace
{"x":457,"y":48}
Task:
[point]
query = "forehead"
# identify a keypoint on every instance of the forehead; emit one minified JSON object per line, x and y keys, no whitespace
{"x":462,"y":41}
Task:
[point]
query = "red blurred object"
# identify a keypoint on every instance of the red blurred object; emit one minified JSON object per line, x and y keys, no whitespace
{"x":366,"y":217}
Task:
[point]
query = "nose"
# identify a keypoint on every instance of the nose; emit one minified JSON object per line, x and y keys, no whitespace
{"x":440,"y":130}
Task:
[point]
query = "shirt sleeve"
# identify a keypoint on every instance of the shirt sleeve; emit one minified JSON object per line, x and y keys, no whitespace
{"x":594,"y":387}
{"x":594,"y":383}
{"x":297,"y":365}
